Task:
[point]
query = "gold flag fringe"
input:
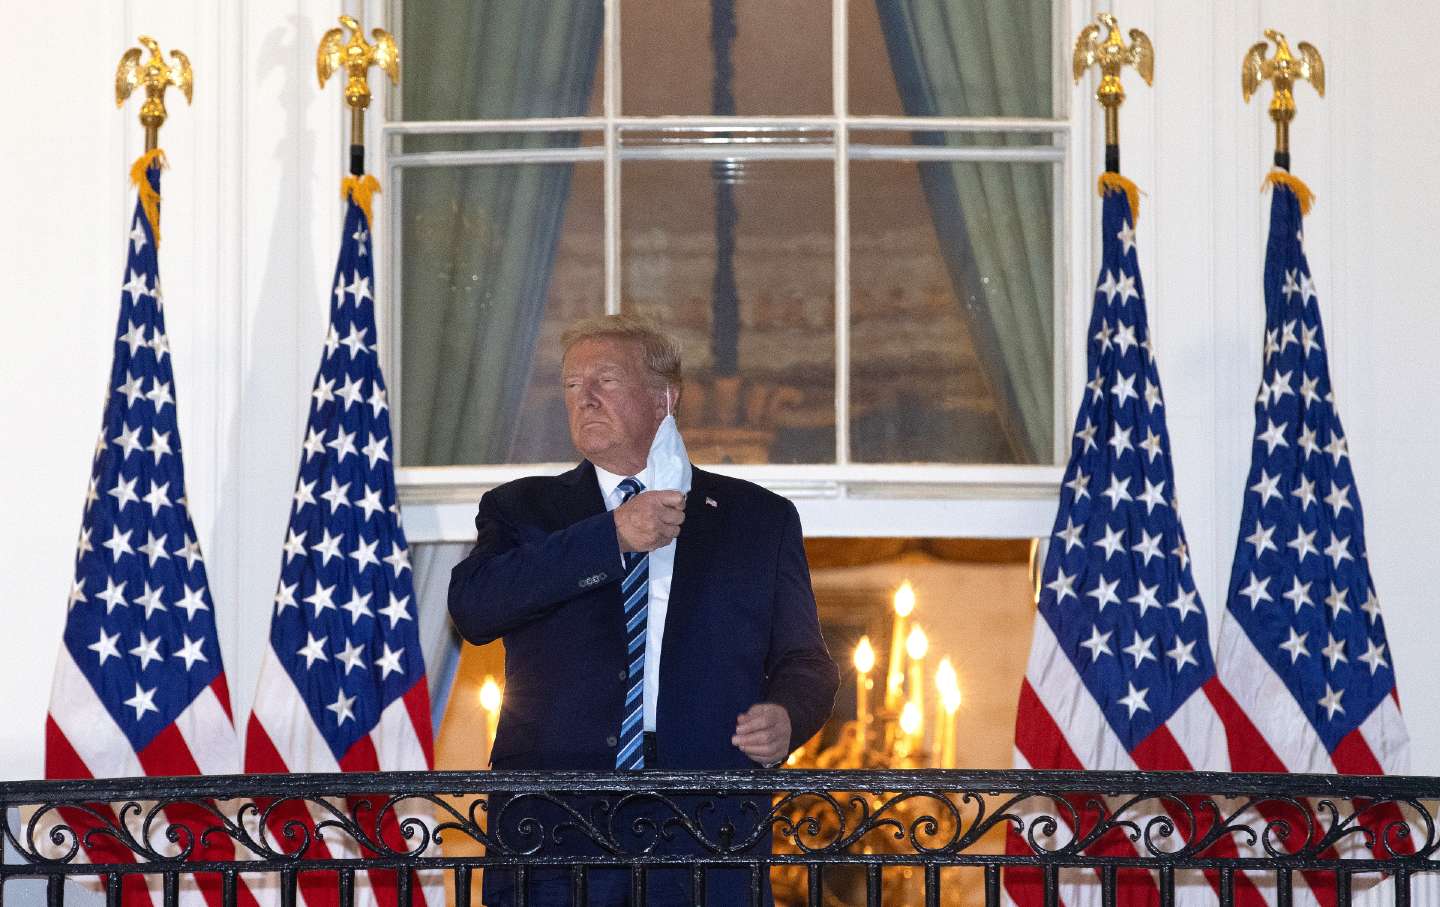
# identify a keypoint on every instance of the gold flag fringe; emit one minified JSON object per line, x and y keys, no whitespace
{"x":362,"y":189}
{"x":149,"y":198}
{"x":1114,"y":182}
{"x":1294,"y":184}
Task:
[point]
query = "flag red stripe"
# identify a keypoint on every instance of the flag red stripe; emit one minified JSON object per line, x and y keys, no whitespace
{"x":261,"y":757}
{"x":1037,"y":735}
{"x":1249,"y":752}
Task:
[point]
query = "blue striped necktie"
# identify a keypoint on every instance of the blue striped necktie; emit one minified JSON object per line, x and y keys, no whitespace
{"x":635,"y":589}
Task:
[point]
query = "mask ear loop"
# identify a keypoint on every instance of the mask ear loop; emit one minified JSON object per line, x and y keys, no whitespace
{"x":668,"y":404}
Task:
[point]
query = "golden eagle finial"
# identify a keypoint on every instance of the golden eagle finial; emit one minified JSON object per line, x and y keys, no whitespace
{"x":356,"y":56}
{"x":1282,"y":70}
{"x":1099,"y":44}
{"x":155,"y":75}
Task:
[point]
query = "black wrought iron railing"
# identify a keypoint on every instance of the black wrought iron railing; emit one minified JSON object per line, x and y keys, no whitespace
{"x":817,"y":837}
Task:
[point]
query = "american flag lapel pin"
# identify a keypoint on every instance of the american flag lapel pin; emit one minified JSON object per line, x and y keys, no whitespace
{"x":710,"y":502}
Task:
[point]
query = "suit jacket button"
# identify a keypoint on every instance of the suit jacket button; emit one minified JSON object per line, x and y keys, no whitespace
{"x":624,"y":673}
{"x":611,"y":741}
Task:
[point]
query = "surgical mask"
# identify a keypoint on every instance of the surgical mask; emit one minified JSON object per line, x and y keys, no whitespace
{"x":668,"y":463}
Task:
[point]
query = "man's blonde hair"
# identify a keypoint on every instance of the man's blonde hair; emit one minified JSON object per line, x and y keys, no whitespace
{"x":660,"y":351}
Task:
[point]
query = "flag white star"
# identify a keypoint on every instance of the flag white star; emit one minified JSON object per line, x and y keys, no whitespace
{"x":304,"y":493}
{"x":1335,"y":651}
{"x":1184,"y":602}
{"x":324,"y":391}
{"x":1336,"y":601}
{"x":332,"y":337}
{"x":136,"y":287}
{"x":353,"y":655}
{"x":134,"y":338}
{"x":1287,"y":334}
{"x":1261,"y":539}
{"x":358,"y":606}
{"x":1338,"y":550}
{"x":313,"y":650}
{"x":1062,"y":585}
{"x":1152,"y":396}
{"x":1124,"y":337}
{"x":159,"y":444}
{"x":328,"y":546}
{"x":143,"y":701}
{"x":1104,"y":592}
{"x":128,"y":440}
{"x":160,"y":343}
{"x":375,"y":450}
{"x":1374,"y":656}
{"x":1295,"y":645}
{"x":1307,"y":285}
{"x":1305,"y":491}
{"x":83,"y":546}
{"x":1339,"y":499}
{"x":1087,"y":435}
{"x":147,"y":650}
{"x":1273,"y":436}
{"x":1107,"y":287}
{"x":150,"y":599}
{"x":322,"y":598}
{"x":77,"y":593}
{"x":1124,"y":388}
{"x":159,"y":394}
{"x":131,"y":389}
{"x":1134,"y":700}
{"x":355,"y":342}
{"x":370,"y":503}
{"x":1257,"y":591}
{"x":114,"y":595}
{"x":343,"y":445}
{"x":1117,"y":491}
{"x":1330,"y":702}
{"x":1338,"y":448}
{"x":1098,"y":643}
{"x":1126,"y":237}
{"x":119,"y":542}
{"x":1145,"y":599}
{"x":1267,"y":487}
{"x":1154,"y":496}
{"x":1289,"y":286}
{"x":350,"y":392}
{"x":377,"y":400}
{"x":343,"y":707}
{"x":1308,"y":339}
{"x":1140,"y":649}
{"x":1120,"y":440}
{"x":285,"y":596}
{"x":1182,"y":653}
{"x":1096,"y":386}
{"x":190,"y":551}
{"x":397,"y":610}
{"x":359,"y":288}
{"x":123,"y":492}
{"x":389,"y":662}
{"x":361,"y":237}
{"x":1303,"y":543}
{"x":1299,"y":594}
{"x":1126,"y":288}
{"x":137,"y":237}
{"x":1148,"y":547}
{"x":105,"y":648}
{"x":294,"y":545}
{"x":1070,"y":535}
{"x":1371,"y":606}
{"x":1113,"y":542}
{"x":399,"y":560}
{"x":154,"y":548}
{"x":1307,"y":441}
{"x":193,"y":600}
{"x":364,"y":554}
{"x":1309,"y":391}
{"x":1281,"y":385}
{"x":314,"y":444}
{"x":1151,"y":444}
{"x":338,"y":495}
{"x":190,"y":650}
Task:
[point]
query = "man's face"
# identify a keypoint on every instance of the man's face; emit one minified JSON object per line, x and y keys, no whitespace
{"x":614,"y":403}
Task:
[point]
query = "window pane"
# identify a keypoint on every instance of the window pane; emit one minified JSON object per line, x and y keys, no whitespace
{"x":500,"y":141}
{"x":972,"y":58}
{"x":952,"y":303}
{"x":497,"y":261}
{"x":779,"y":57}
{"x":760,"y":372}
{"x":501,"y":59}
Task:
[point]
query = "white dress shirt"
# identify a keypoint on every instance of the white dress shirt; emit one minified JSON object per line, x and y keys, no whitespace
{"x":662,"y":571}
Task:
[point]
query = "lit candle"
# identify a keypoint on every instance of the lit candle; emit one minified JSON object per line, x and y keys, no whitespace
{"x":895,"y":676}
{"x":490,"y":698}
{"x":864,"y":664}
{"x":916,"y":645}
{"x":948,"y":686}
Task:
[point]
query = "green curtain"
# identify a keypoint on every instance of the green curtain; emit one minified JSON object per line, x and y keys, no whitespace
{"x":994,"y":220}
{"x":480,"y":241}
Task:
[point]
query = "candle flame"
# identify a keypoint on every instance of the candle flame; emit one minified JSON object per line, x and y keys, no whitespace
{"x":918,"y":644}
{"x":950,"y":700}
{"x":490,"y":695}
{"x":945,"y":675}
{"x":905,"y":599}
{"x":910,"y":718}
{"x":864,"y":656}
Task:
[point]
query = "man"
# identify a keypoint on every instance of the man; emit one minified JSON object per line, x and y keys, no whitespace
{"x":643,"y":628}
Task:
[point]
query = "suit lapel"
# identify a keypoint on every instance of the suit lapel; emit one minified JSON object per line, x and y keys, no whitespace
{"x":691,"y":544}
{"x":579,"y":496}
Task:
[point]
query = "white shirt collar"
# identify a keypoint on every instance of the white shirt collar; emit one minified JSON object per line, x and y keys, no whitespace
{"x":609,"y":481}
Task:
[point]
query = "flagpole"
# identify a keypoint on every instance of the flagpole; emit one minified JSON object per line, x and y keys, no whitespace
{"x":356,"y":56}
{"x":1099,"y":44}
{"x":1282,"y":70}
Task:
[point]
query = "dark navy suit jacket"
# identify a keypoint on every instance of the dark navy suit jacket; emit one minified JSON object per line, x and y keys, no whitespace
{"x":740,"y":628}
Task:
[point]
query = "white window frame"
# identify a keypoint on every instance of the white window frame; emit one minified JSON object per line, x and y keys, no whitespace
{"x":835,"y":499}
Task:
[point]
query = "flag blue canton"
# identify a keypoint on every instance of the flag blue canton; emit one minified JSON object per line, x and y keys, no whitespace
{"x":344,"y":626}
{"x":1117,"y":589}
{"x":1300,"y":586}
{"x":141,"y":625}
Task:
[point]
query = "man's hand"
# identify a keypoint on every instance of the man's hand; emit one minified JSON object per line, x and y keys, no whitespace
{"x":763,"y":733}
{"x":649,"y":520}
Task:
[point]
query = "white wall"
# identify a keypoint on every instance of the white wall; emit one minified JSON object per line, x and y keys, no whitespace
{"x":252,"y":212}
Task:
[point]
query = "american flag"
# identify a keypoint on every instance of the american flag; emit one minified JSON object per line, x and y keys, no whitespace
{"x":1121,"y":658}
{"x":1302,"y":645}
{"x":139,"y":686}
{"x":342,"y":685}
